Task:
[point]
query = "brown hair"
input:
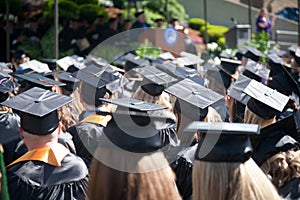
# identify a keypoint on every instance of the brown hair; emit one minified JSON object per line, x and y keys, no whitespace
{"x":212,"y":180}
{"x":282,"y":167}
{"x":251,"y":118}
{"x":109,"y":183}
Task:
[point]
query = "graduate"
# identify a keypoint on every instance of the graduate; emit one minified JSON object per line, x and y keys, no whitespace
{"x":48,"y":170}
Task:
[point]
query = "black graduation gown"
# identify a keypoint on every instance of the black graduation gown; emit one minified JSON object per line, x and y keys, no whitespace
{"x":87,"y":133}
{"x":290,"y":190}
{"x":183,"y":168}
{"x":39,"y":180}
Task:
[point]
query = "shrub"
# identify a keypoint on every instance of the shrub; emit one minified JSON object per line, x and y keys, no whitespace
{"x":196,"y":23}
{"x":214,"y":32}
{"x":89,"y":12}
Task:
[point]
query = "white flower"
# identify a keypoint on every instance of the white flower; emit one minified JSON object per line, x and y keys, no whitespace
{"x":212,"y":46}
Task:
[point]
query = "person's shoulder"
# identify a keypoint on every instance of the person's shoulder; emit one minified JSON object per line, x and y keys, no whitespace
{"x":290,"y":189}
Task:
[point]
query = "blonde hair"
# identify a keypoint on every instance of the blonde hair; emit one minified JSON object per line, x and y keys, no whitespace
{"x":251,"y":118}
{"x":282,"y":167}
{"x":163,"y":99}
{"x":108,"y":183}
{"x":218,"y":181}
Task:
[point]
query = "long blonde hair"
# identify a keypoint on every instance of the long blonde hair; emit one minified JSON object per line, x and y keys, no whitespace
{"x":107,"y":183}
{"x":251,"y":118}
{"x":282,"y":167}
{"x":222,"y":181}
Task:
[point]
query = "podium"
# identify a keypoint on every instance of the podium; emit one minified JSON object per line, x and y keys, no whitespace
{"x":238,"y":35}
{"x":165,"y":39}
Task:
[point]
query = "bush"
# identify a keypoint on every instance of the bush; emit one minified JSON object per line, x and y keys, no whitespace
{"x":196,"y":23}
{"x":14,"y":6}
{"x":80,"y":2}
{"x":214,"y":32}
{"x":89,"y":12}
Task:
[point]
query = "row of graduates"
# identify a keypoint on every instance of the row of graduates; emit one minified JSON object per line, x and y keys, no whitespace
{"x":126,"y":150}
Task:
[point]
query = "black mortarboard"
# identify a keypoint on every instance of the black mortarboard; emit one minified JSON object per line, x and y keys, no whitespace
{"x":38,"y":80}
{"x":293,"y":49}
{"x":50,"y":62}
{"x":134,"y":104}
{"x":36,"y":66}
{"x":283,"y":82}
{"x":156,"y":80}
{"x":70,"y":81}
{"x":272,"y":138}
{"x":205,"y":56}
{"x":278,"y":52}
{"x":253,"y":54}
{"x":188,"y":60}
{"x":265,"y":102}
{"x":223,"y":142}
{"x":6,"y":85}
{"x":5,"y":70}
{"x":193,"y":96}
{"x":71,"y":63}
{"x":181,"y":72}
{"x":135,"y":126}
{"x":166,"y":56}
{"x":256,"y":71}
{"x":297,"y":56}
{"x":133,"y":61}
{"x":137,"y":14}
{"x":228,"y":68}
{"x":237,"y":89}
{"x":275,"y":63}
{"x":37,"y":109}
{"x":19,"y":54}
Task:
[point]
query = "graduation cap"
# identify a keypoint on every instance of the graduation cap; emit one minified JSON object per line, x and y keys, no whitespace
{"x":37,"y":109}
{"x":137,"y":14}
{"x":278,"y":52}
{"x":36,"y":79}
{"x":156,"y":80}
{"x":293,"y":49}
{"x":5,"y":70}
{"x":297,"y":56}
{"x":181,"y":72}
{"x":166,"y":56}
{"x":133,"y":61}
{"x":50,"y":62}
{"x":71,"y":63}
{"x":71,"y":82}
{"x":188,"y":60}
{"x":283,"y":82}
{"x":237,"y":89}
{"x":253,"y":54}
{"x":6,"y":85}
{"x":135,"y":126}
{"x":256,"y":71}
{"x":35,"y":65}
{"x":279,"y":136}
{"x":19,"y":54}
{"x":224,"y":142}
{"x":193,"y":96}
{"x":275,"y":64}
{"x":228,"y":68}
{"x":265,"y":102}
{"x":205,"y":56}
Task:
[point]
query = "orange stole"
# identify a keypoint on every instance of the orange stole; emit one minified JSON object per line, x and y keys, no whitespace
{"x":97,"y":119}
{"x":52,"y":155}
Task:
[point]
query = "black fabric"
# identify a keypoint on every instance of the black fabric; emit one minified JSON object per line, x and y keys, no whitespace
{"x":183,"y":167}
{"x":290,"y":190}
{"x":261,"y":109}
{"x":9,"y":127}
{"x":158,"y":134}
{"x":86,"y":135}
{"x":38,"y":180}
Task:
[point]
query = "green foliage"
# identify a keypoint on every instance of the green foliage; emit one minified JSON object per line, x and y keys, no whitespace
{"x":261,"y":41}
{"x":196,"y":23}
{"x":175,"y":9}
{"x":147,"y":48}
{"x":214,"y":32}
{"x":89,"y":12}
{"x":119,"y":4}
{"x":14,"y":6}
{"x":80,"y":2}
{"x":151,"y":16}
{"x":33,"y":48}
{"x":67,"y":10}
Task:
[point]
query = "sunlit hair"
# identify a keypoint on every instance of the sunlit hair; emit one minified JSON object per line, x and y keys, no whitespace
{"x":163,"y":99}
{"x":213,"y":116}
{"x":251,"y":118}
{"x":107,"y":183}
{"x":222,"y":181}
{"x":282,"y":167}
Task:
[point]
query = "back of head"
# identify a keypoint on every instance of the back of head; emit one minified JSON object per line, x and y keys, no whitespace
{"x":146,"y":183}
{"x":234,"y":180}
